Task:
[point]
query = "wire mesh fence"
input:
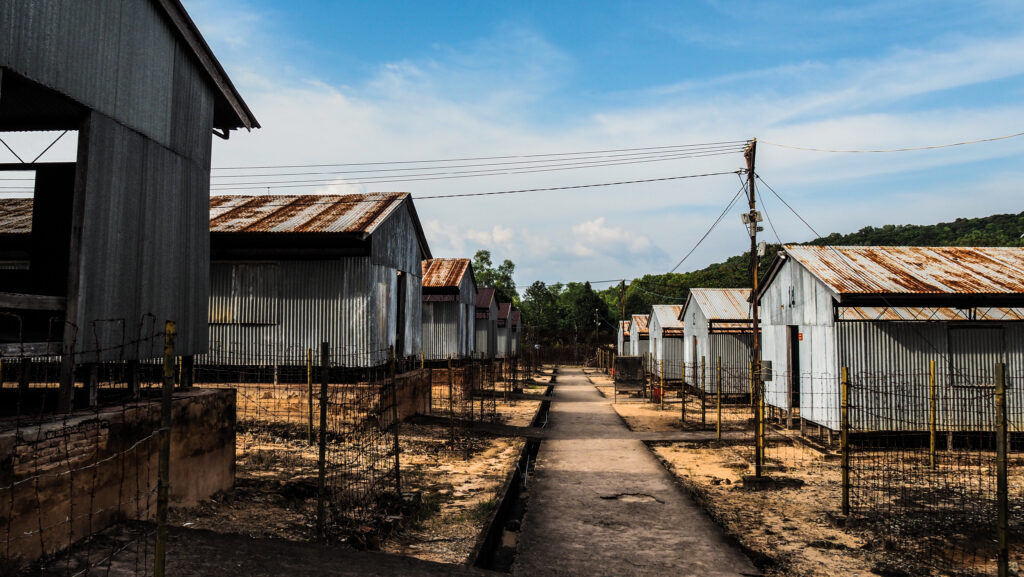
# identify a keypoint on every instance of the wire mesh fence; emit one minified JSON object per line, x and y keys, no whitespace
{"x":83,"y":445}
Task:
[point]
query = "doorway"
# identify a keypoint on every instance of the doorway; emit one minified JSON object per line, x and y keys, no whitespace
{"x":793,"y":365}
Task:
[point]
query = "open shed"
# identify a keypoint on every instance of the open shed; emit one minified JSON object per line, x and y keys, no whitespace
{"x":885,"y":313}
{"x":719,"y":327}
{"x":504,"y":349}
{"x":449,"y":308}
{"x":116,"y":242}
{"x":290,"y":272}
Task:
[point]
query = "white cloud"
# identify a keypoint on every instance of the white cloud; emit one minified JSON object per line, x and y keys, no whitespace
{"x":489,"y":98}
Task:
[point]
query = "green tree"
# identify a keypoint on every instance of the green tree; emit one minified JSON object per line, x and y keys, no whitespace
{"x":500,"y":277}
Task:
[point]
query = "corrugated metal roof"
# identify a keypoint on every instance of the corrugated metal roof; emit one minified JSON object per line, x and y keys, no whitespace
{"x":624,"y":327}
{"x":914,"y":269}
{"x":16,"y":216}
{"x":641,"y":324}
{"x":504,"y":309}
{"x":722,"y":304}
{"x":517,"y":318}
{"x":668,"y":316}
{"x":348,"y":213}
{"x":444,"y":272}
{"x":484,"y":297}
{"x":930,"y":314}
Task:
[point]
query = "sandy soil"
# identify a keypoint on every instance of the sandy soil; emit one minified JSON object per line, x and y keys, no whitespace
{"x":643,"y":415}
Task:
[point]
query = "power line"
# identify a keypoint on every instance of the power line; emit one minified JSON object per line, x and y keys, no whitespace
{"x":467,"y":159}
{"x":553,"y":188}
{"x":430,"y":176}
{"x":907,"y":149}
{"x":713,"y":225}
{"x":600,"y":157}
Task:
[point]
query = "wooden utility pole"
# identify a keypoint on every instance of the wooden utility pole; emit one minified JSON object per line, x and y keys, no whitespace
{"x":622,"y":300}
{"x":751,"y":219}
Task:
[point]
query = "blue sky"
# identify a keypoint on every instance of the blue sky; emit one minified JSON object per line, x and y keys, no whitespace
{"x":389,"y":80}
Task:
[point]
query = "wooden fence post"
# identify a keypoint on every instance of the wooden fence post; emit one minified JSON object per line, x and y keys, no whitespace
{"x":703,"y":391}
{"x":718,"y":426}
{"x":321,"y":476}
{"x":1002,"y":487}
{"x":309,"y":391}
{"x":164,"y":480}
{"x":844,"y":440}
{"x":931,"y":415}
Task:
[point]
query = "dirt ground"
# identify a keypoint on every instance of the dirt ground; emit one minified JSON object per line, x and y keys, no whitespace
{"x":275,"y":490}
{"x":643,"y":415}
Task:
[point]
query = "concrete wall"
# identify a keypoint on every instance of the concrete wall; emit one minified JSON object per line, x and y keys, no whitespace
{"x":95,"y":468}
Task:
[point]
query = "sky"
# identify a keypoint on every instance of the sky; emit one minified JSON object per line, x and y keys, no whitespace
{"x":383,"y":81}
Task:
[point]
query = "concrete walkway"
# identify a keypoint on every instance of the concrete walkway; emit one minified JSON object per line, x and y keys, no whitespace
{"x":601,"y":503}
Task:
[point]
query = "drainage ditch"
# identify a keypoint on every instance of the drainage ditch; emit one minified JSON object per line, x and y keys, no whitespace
{"x":498,"y":543}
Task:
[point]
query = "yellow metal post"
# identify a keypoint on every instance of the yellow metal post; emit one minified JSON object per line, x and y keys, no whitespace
{"x":1002,"y":487}
{"x":309,"y":391}
{"x":661,"y":397}
{"x":703,"y":391}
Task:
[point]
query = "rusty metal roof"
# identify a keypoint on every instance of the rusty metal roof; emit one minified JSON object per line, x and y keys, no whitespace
{"x":504,"y":309}
{"x":484,"y":298}
{"x":517,"y":318}
{"x":641,"y":324}
{"x":16,"y":216}
{"x":444,"y":272}
{"x":668,"y":316}
{"x":930,"y":314}
{"x":870,"y":270}
{"x":722,"y":304}
{"x":347,"y":213}
{"x":624,"y":327}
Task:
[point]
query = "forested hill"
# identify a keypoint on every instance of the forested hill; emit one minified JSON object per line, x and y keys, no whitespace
{"x":995,"y":230}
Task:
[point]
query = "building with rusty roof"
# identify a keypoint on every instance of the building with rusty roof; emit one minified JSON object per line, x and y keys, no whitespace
{"x":486,"y":329}
{"x":883,"y":312}
{"x":639,"y":343}
{"x":666,"y":336}
{"x":449,"y":308}
{"x":290,"y":272}
{"x":623,"y":348}
{"x":115,"y":240}
{"x":718,"y":329}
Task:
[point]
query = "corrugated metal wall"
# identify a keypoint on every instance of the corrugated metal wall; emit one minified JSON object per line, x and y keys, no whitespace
{"x":444,"y":330}
{"x":144,"y":241}
{"x":504,"y":346}
{"x":347,"y":302}
{"x":735,"y":352}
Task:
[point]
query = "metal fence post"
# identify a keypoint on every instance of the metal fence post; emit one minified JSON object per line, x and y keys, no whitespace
{"x":718,"y":426}
{"x":1002,"y":489}
{"x":682,"y":390}
{"x":931,"y":415}
{"x":321,"y":476}
{"x":309,"y":391}
{"x":844,"y":440}
{"x":451,"y":403}
{"x":164,"y":482}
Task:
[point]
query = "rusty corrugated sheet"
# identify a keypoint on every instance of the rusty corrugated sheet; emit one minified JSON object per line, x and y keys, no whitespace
{"x":16,"y":216}
{"x":723,"y":304}
{"x":914,"y":269}
{"x":624,"y":327}
{"x":347,"y":213}
{"x":444,"y":272}
{"x":517,"y":318}
{"x":930,"y":314}
{"x":504,"y":310}
{"x":641,"y":322}
{"x":484,"y":298}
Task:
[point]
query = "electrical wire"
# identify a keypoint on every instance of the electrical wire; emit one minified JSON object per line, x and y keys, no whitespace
{"x":467,"y":159}
{"x":390,"y":179}
{"x":713,"y":225}
{"x":528,"y":163}
{"x":884,"y":150}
